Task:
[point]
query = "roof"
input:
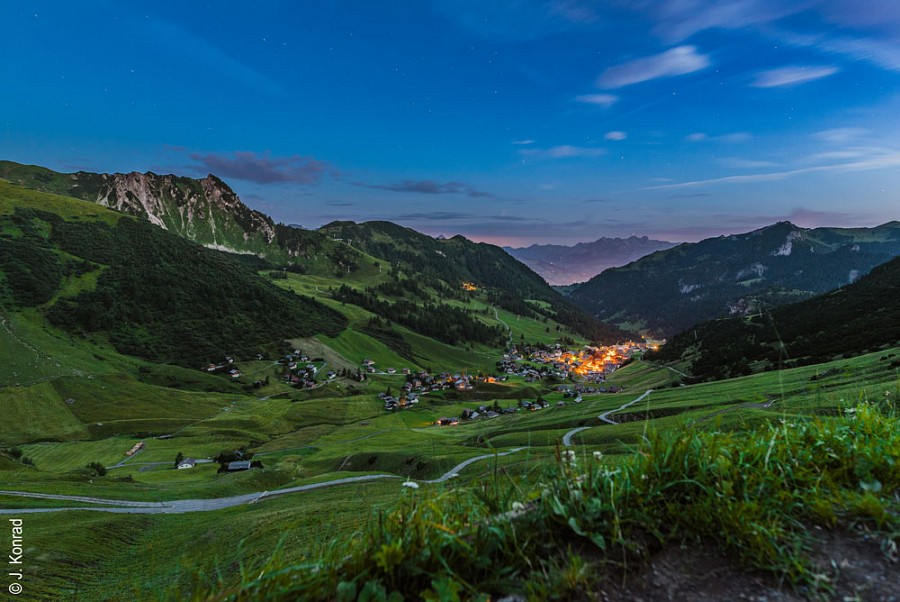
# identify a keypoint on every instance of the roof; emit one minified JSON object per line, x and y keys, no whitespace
{"x":239,"y":465}
{"x":188,"y":462}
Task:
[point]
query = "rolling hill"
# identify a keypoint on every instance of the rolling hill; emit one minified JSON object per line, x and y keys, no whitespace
{"x":151,"y":294}
{"x":563,"y":265}
{"x":858,"y":318}
{"x":458,"y":261}
{"x":668,"y":291}
{"x":209,"y":213}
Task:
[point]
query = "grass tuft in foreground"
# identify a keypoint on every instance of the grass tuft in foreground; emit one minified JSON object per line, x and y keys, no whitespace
{"x":752,"y":493}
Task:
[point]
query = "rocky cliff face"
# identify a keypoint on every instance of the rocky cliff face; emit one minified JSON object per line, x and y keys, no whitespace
{"x":206,"y":211}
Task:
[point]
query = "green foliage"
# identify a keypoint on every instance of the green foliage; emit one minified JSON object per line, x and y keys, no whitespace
{"x":97,"y":469}
{"x":443,"y":265}
{"x":164,"y":298}
{"x":750,"y":492}
{"x":857,"y":318}
{"x":442,"y":322}
{"x":669,"y":291}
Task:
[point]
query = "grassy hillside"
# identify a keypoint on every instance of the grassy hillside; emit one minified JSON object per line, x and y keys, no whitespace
{"x":672,"y":290}
{"x":151,"y":294}
{"x":854,"y":319}
{"x":445,"y":265}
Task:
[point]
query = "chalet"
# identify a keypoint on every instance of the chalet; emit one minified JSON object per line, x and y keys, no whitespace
{"x":135,"y":449}
{"x":468,"y":414}
{"x":234,"y":373}
{"x":392,"y":371}
{"x":491,"y":414}
{"x":186,"y":463}
{"x":405,"y":371}
{"x":560,"y":404}
{"x":446,"y":421}
{"x":367,"y":362}
{"x":260,"y":356}
{"x":331,"y":374}
{"x":238,"y":465}
{"x":211,"y":368}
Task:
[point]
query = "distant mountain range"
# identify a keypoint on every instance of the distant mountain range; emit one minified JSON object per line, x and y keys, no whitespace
{"x":668,"y":291}
{"x":561,"y":265}
{"x":858,"y":318}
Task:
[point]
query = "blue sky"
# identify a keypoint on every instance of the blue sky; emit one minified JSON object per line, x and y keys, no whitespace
{"x":512,"y":121}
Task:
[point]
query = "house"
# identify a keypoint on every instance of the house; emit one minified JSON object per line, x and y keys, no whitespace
{"x":238,"y":465}
{"x":234,"y":373}
{"x":186,"y":463}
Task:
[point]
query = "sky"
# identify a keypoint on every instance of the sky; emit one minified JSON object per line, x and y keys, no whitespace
{"x":512,"y":122}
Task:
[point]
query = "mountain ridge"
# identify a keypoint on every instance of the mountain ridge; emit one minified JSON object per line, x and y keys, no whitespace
{"x":674,"y":289}
{"x":564,"y":265}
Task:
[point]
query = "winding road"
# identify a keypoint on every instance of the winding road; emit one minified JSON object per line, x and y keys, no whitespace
{"x":185,"y":506}
{"x":604,"y":417}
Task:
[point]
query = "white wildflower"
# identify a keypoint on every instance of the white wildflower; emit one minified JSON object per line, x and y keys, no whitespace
{"x":518,"y":506}
{"x":598,"y":455}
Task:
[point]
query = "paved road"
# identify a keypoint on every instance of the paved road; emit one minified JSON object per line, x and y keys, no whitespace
{"x":567,"y":438}
{"x":184,"y":506}
{"x":604,"y":415}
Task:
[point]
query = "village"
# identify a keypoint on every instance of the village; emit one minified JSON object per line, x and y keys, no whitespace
{"x":570,"y":372}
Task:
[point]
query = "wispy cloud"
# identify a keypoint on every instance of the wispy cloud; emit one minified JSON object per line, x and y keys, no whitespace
{"x":600,"y":100}
{"x":882,"y":161}
{"x":263,"y":169}
{"x":739,"y":163}
{"x":577,"y":11}
{"x":441,"y":216}
{"x":190,"y":47}
{"x":791,"y":76}
{"x":884,"y":53}
{"x":680,"y":19}
{"x":615,"y":135}
{"x":430,"y":187}
{"x":733,"y":137}
{"x":563,"y":151}
{"x":840,"y":135}
{"x":680,"y":60}
{"x":523,"y":142}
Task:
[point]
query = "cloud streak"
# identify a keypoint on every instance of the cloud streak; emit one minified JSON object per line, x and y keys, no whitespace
{"x":600,"y":100}
{"x":791,"y":76}
{"x":883,"y":161}
{"x":680,"y":60}
{"x":263,"y":169}
{"x":430,"y":187}
{"x":563,"y":151}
